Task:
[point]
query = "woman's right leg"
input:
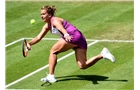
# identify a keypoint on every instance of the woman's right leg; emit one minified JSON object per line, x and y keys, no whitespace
{"x":58,"y":47}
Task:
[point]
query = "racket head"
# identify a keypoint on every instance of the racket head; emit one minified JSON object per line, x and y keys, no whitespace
{"x":24,"y":48}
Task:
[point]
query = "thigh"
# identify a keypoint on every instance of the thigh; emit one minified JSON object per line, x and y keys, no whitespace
{"x":61,"y":46}
{"x":80,"y":55}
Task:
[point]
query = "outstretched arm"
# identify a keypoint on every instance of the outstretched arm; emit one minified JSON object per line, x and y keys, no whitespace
{"x":39,"y":36}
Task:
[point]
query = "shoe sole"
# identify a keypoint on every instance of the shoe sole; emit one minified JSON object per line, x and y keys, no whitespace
{"x":48,"y":81}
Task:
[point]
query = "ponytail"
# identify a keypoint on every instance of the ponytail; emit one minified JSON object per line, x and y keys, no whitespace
{"x":50,"y":9}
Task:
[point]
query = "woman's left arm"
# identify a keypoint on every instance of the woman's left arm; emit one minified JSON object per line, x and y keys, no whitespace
{"x":58,"y":24}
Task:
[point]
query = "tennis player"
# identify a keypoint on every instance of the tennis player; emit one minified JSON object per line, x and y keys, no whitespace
{"x":71,"y":38}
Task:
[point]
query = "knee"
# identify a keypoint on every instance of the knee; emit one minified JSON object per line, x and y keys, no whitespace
{"x":82,"y":66}
{"x":54,"y":51}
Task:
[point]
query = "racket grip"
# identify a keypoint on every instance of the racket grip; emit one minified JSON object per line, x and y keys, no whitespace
{"x":27,"y":49}
{"x":26,"y":53}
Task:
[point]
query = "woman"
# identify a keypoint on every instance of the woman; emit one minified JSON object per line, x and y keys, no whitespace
{"x":72,"y":38}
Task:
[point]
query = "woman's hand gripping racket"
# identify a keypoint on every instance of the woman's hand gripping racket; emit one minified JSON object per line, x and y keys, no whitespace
{"x":25,"y":48}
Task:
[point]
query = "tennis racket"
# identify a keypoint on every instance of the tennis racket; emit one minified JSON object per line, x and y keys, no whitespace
{"x":24,"y":48}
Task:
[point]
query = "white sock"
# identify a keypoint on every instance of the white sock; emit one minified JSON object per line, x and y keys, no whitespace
{"x":52,"y":75}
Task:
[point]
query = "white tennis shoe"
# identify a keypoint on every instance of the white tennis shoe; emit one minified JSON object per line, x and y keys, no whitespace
{"x":49,"y":78}
{"x":107,"y":55}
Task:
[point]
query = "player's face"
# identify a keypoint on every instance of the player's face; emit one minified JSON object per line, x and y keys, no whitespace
{"x":45,"y":16}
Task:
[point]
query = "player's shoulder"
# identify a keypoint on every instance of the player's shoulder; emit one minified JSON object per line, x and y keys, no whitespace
{"x":56,"y":19}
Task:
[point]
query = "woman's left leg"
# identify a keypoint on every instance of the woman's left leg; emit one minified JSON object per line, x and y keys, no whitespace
{"x":82,"y":61}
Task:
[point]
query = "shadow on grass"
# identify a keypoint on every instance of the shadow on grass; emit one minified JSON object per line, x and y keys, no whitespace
{"x":93,"y":78}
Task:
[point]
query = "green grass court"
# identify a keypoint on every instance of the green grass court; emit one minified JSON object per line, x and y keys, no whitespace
{"x":104,"y":23}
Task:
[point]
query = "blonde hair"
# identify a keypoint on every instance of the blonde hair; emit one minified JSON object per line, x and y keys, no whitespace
{"x":50,"y":9}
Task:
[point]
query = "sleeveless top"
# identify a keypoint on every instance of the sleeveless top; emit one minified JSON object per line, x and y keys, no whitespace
{"x":78,"y":38}
{"x":54,"y":30}
{"x":68,"y":26}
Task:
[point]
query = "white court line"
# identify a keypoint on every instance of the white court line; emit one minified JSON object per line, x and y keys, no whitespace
{"x":95,"y":41}
{"x":30,"y":74}
{"x":13,"y":42}
{"x":59,"y":38}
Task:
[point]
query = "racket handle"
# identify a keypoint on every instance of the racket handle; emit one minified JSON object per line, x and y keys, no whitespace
{"x":26,"y":49}
{"x":26,"y":54}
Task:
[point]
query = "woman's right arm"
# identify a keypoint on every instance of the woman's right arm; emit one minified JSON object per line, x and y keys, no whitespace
{"x":39,"y":36}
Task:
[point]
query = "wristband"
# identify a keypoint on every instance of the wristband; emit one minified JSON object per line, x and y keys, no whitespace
{"x":66,"y":35}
